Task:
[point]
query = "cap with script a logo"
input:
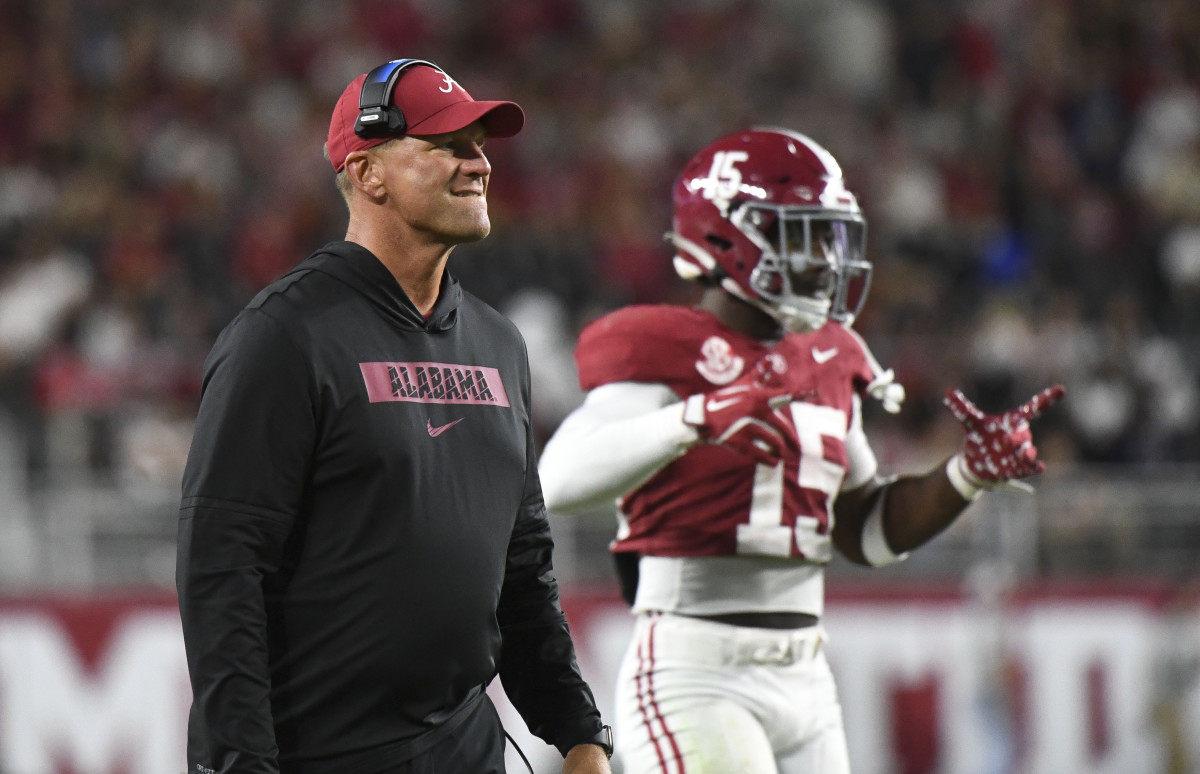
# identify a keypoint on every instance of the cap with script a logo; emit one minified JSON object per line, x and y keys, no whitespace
{"x":431,"y":101}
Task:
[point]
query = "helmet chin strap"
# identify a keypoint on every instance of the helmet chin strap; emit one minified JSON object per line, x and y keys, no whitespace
{"x":799,"y":320}
{"x":795,"y":319}
{"x":801,"y":323}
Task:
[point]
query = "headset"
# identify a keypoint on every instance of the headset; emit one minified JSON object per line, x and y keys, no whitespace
{"x":376,"y":118}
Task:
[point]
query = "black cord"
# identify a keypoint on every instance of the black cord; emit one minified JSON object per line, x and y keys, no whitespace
{"x":513,"y":742}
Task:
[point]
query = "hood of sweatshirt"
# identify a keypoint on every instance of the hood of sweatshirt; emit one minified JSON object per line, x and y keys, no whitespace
{"x":358,"y":267}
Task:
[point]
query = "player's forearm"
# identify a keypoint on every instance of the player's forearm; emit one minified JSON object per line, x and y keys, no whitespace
{"x":918,"y":508}
{"x":589,"y":464}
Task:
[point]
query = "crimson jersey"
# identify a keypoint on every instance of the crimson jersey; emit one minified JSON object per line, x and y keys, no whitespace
{"x":713,"y":501}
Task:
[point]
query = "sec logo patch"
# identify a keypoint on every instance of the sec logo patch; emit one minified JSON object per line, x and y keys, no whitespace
{"x":718,"y":364}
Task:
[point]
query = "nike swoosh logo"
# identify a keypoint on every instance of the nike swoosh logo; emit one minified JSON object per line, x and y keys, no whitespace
{"x":717,"y":405}
{"x":823,"y":355}
{"x":434,"y":432}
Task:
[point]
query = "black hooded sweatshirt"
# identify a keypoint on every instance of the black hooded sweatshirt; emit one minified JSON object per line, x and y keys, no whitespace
{"x":363,"y":544}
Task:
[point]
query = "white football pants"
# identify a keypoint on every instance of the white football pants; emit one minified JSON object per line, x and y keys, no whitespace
{"x":699,"y":697}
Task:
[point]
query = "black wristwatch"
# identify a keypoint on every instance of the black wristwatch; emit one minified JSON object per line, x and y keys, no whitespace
{"x":603,"y":738}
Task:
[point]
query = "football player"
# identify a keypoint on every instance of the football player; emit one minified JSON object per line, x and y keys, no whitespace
{"x":730,"y":437}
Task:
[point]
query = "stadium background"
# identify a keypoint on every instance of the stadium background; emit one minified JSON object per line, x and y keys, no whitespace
{"x":1031,"y":175}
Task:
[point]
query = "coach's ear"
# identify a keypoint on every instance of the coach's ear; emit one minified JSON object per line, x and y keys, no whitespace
{"x":365,"y":171}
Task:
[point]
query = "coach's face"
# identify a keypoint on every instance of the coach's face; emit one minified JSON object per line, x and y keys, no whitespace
{"x":437,"y":184}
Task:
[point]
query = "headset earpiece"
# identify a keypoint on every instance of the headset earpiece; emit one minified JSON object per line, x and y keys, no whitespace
{"x":380,"y":122}
{"x":376,"y":118}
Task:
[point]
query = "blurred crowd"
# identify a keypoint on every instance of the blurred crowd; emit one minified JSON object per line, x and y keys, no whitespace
{"x":1030,"y":171}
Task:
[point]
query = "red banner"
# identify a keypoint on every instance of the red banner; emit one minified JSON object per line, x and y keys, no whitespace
{"x":1037,"y":680}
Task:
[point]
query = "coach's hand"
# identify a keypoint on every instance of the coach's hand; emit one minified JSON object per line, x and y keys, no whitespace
{"x":586,"y":759}
{"x":998,"y":449}
{"x":747,"y":416}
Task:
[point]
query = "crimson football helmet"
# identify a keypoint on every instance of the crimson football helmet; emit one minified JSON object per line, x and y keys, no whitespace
{"x":766,"y":215}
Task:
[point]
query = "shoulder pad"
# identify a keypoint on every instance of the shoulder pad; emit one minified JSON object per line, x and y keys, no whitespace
{"x":660,"y":344}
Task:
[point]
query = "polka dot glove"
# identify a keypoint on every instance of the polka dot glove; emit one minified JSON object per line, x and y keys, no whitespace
{"x":998,"y":449}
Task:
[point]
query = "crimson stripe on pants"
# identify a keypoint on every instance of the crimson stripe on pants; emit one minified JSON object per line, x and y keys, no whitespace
{"x":648,"y":704}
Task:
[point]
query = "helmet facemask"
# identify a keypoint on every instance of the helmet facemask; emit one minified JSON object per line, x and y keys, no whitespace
{"x":812,"y":266}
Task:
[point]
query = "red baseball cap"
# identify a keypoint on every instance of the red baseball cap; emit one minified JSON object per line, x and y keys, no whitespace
{"x":432,"y":103}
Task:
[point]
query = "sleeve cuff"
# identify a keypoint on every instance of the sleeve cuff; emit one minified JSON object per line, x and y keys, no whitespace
{"x":958,"y":479}
{"x":589,"y":731}
{"x":875,"y":547}
{"x":693,"y":410}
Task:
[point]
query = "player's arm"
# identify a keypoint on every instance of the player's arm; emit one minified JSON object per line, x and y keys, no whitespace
{"x":881,"y":520}
{"x":625,"y":432}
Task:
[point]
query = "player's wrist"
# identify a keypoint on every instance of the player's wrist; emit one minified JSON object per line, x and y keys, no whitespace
{"x":967,"y":485}
{"x":691,"y":416}
{"x":693,"y":411}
